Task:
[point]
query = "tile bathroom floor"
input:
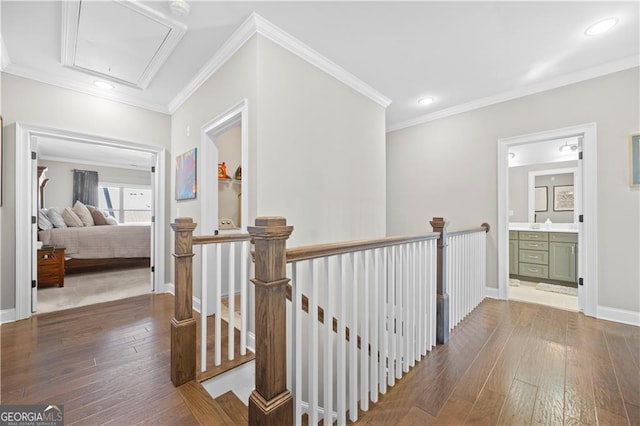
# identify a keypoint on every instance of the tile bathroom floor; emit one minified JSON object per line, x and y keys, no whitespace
{"x":527,"y":292}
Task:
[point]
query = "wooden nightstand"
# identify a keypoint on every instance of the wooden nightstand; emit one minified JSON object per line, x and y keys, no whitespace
{"x":51,"y":266}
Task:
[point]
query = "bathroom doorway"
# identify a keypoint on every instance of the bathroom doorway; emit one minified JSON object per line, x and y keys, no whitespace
{"x":532,"y":247}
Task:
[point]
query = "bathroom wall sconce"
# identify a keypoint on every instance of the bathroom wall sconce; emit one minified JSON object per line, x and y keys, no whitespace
{"x":568,"y":147}
{"x":512,"y":155}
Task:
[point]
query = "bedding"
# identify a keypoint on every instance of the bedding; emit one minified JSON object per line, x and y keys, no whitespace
{"x":100,"y":242}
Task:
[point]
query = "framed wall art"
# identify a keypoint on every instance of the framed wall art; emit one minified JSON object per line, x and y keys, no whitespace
{"x":563,"y":198}
{"x":186,"y":176}
{"x":541,"y":197}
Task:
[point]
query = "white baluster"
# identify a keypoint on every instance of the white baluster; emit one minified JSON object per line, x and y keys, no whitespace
{"x":313,"y":345}
{"x":384,"y":320}
{"x":218,"y":306}
{"x":374,"y":357}
{"x":231,"y":298}
{"x":353,"y":343}
{"x":364,"y":330}
{"x":296,"y":361}
{"x":244,"y":282}
{"x":328,"y":339}
{"x":203,"y":309}
{"x":341,"y":360}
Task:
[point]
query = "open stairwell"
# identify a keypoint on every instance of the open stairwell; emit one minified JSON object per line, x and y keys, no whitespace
{"x":227,"y":409}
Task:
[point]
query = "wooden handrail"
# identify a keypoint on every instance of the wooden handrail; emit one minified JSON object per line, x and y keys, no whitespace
{"x":220,"y":238}
{"x":323,"y":250}
{"x":482,"y":228}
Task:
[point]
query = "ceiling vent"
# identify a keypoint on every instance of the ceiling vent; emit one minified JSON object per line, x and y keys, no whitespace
{"x":123,"y":41}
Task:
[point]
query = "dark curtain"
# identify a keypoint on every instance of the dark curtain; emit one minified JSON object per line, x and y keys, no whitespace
{"x":85,"y":187}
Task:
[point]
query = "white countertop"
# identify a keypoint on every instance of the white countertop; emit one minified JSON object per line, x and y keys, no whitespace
{"x":542,"y":227}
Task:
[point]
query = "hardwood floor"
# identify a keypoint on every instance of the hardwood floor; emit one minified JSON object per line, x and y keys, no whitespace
{"x":511,"y":363}
{"x":107,"y":363}
{"x":507,"y":363}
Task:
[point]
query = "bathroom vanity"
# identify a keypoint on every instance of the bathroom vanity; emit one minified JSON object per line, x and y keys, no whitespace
{"x":543,"y":255}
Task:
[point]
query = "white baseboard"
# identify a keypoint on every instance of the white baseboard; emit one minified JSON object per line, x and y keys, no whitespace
{"x":618,"y":315}
{"x":491,"y":292}
{"x":251,"y":341}
{"x":7,"y":315}
{"x":170,"y":288}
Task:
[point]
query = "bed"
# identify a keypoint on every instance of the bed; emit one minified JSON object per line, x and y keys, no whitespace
{"x":101,"y":246}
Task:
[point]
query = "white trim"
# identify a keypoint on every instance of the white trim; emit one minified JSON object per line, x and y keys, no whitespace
{"x":69,"y":84}
{"x":7,"y":315}
{"x":565,"y":80}
{"x":208,"y":133}
{"x":492,"y":292}
{"x":94,"y":163}
{"x":618,"y":315}
{"x":295,"y":46}
{"x":256,"y":24}
{"x":251,"y":341}
{"x":23,"y":174}
{"x":69,"y":38}
{"x":171,"y":289}
{"x":588,"y":253}
{"x":240,"y":36}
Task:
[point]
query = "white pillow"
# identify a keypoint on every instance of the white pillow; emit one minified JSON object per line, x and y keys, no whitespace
{"x":111,"y":220}
{"x":43,"y":221}
{"x":83,"y":213}
{"x":56,"y":218}
{"x":70,"y":218}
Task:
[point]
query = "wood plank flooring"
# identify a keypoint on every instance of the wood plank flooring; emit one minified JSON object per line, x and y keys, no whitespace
{"x":507,"y":363}
{"x":512,"y":363}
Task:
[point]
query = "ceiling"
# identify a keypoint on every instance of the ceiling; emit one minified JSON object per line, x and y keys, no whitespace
{"x":464,"y":54}
{"x":544,"y":152}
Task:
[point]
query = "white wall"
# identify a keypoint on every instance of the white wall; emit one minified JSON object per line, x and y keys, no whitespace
{"x":31,"y":102}
{"x":321,"y":152}
{"x":448,"y":167}
{"x":59,"y":190}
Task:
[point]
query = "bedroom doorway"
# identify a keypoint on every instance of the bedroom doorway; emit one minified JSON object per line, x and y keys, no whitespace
{"x":27,"y":138}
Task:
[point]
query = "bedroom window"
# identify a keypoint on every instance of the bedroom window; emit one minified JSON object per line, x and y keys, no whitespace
{"x":127,"y":203}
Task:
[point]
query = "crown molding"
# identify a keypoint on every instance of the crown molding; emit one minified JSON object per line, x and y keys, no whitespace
{"x":240,"y":36}
{"x":295,"y":46}
{"x":576,"y":77}
{"x":82,"y":88}
{"x":256,"y":24}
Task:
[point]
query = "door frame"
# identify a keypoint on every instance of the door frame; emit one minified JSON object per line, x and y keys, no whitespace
{"x":587,"y":237}
{"x":24,"y":207}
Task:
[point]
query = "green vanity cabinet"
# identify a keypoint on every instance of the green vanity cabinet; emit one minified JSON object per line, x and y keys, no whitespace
{"x":542,"y":255}
{"x":562,"y":256}
{"x":513,"y":253}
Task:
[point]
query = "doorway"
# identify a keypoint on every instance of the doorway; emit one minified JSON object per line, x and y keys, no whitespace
{"x":586,"y":212}
{"x":26,"y":206}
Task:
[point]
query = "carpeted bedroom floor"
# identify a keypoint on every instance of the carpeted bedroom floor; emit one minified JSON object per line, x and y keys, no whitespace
{"x":88,"y":288}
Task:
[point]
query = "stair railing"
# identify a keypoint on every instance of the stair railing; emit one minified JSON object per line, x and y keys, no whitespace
{"x":217,"y":276}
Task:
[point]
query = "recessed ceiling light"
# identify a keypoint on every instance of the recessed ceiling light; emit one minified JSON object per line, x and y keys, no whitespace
{"x":601,"y":26}
{"x":103,"y":85}
{"x":179,"y":7}
{"x":426,"y":101}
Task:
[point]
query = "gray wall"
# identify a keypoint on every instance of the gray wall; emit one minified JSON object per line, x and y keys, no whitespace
{"x":31,"y":102}
{"x":549,"y":182}
{"x":448,"y":167}
{"x":59,"y":190}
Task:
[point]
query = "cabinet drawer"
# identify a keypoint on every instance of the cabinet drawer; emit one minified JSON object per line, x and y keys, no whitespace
{"x":534,"y":245}
{"x":513,"y":235}
{"x":532,"y":236}
{"x":536,"y":271}
{"x":563,"y":237}
{"x":530,"y":256}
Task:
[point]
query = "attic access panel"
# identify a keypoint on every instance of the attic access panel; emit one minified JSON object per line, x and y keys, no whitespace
{"x":122,"y":41}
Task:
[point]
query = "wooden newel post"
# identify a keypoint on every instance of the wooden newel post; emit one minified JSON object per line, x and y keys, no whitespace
{"x":183,"y":325}
{"x":271,"y":402}
{"x":442,"y":302}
